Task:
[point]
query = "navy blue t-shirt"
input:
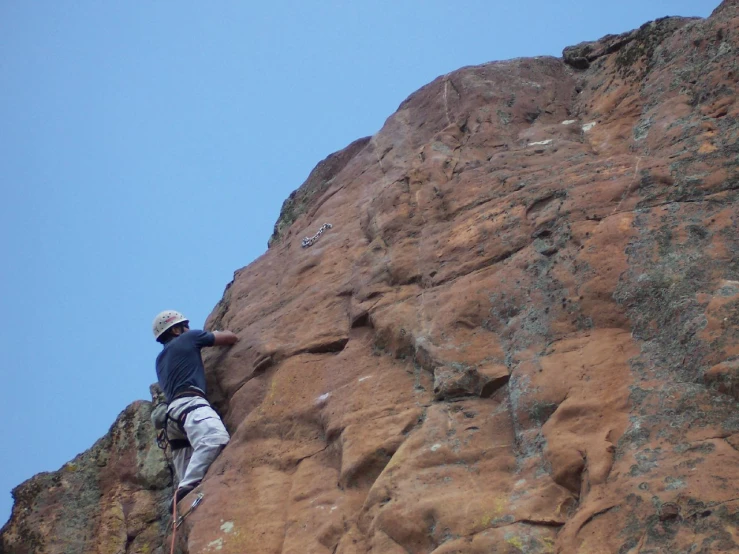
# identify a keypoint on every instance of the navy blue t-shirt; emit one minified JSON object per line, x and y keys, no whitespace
{"x":179,"y":365}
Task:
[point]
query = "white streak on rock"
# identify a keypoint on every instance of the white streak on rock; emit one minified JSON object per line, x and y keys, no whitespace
{"x":588,"y":126}
{"x":541,"y":142}
{"x":364,"y":378}
{"x":569,"y":122}
{"x":227,"y":527}
{"x":321,"y":400}
{"x":435,"y":447}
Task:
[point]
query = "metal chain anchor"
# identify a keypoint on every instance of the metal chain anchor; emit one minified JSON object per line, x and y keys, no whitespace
{"x":309,"y":241}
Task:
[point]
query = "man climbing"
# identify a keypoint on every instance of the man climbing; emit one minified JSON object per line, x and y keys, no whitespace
{"x":196,"y":434}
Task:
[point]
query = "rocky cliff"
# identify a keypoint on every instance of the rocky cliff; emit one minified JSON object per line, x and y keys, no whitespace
{"x":519,"y":334}
{"x":110,"y":499}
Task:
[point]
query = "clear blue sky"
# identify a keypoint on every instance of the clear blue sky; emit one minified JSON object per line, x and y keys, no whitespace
{"x":147,"y":147}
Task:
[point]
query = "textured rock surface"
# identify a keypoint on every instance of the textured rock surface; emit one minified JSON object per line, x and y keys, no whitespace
{"x":110,"y":499}
{"x":520,"y":334}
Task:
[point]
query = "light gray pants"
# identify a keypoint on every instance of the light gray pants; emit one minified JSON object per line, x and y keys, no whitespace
{"x":207,"y":436}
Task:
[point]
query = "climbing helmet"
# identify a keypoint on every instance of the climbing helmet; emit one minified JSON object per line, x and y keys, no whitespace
{"x":165,"y":320}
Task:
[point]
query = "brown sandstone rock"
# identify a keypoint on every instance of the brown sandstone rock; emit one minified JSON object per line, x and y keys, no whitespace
{"x":520,"y":334}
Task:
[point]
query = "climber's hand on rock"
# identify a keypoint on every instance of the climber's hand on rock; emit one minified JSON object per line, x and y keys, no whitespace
{"x":225,"y":338}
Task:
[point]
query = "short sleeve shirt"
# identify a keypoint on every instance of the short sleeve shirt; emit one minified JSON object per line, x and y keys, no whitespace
{"x":179,"y":364}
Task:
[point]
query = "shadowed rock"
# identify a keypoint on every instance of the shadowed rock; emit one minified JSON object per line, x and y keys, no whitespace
{"x":111,"y":498}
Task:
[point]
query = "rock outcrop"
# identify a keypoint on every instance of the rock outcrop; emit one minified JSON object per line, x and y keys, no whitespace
{"x":519,"y":335}
{"x":112,"y":498}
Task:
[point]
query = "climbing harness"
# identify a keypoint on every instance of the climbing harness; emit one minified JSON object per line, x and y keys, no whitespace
{"x":161,"y":425}
{"x":309,"y":241}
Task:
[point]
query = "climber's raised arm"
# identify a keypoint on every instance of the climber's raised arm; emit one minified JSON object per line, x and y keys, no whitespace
{"x":225,"y":338}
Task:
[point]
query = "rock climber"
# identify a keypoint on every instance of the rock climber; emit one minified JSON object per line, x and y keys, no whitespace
{"x":195,"y":432}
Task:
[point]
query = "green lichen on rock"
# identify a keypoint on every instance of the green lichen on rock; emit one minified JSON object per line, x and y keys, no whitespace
{"x":90,"y":495}
{"x":292,"y":208}
{"x":644,"y":43}
{"x":318,"y":181}
{"x":632,"y":47}
{"x":540,"y":412}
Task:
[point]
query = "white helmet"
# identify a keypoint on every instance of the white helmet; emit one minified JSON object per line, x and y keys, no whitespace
{"x":165,"y":320}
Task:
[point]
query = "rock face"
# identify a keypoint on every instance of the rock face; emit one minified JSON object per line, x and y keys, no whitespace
{"x":112,"y":498}
{"x":519,"y":335}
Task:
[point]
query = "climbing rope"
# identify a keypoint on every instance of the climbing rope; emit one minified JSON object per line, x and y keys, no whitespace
{"x":309,"y":241}
{"x":177,"y":521}
{"x":174,"y":519}
{"x":198,"y":500}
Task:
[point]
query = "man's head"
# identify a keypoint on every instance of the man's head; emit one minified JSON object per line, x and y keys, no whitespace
{"x":168,"y":325}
